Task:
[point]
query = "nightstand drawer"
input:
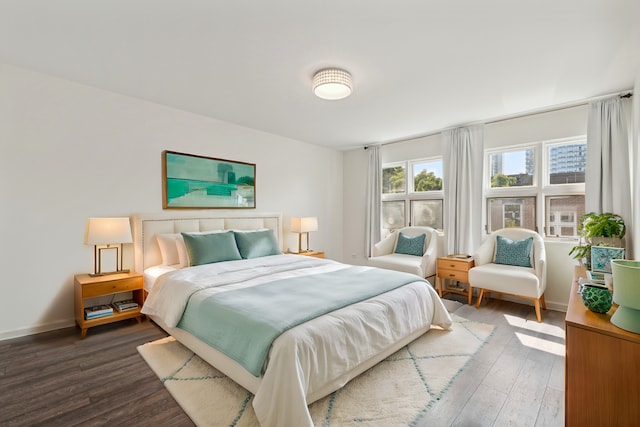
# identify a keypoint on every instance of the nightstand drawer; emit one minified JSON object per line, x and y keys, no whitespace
{"x":111,"y":287}
{"x":453,"y":264}
{"x":460,"y":276}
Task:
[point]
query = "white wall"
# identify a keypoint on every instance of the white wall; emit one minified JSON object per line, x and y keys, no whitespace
{"x":70,"y":152}
{"x":539,"y":127}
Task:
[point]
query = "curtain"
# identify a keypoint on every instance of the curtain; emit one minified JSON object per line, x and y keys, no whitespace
{"x":463,"y":160}
{"x":373,"y":203}
{"x":608,"y":178}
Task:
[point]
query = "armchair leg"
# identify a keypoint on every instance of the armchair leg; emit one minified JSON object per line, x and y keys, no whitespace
{"x":544,"y":304}
{"x":536,"y":302}
{"x":480,"y":294}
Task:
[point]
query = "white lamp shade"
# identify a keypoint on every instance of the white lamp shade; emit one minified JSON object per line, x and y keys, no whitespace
{"x":304,"y":225}
{"x":332,"y":84}
{"x":106,"y":231}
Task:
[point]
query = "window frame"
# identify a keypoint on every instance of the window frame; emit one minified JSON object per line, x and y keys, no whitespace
{"x":410,"y":194}
{"x":541,"y":188}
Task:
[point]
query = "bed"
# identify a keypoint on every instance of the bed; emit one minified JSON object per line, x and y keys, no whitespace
{"x":310,"y":356}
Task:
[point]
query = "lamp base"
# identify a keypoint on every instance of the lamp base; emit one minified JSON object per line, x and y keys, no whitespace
{"x":108,"y":273}
{"x":627,"y":318}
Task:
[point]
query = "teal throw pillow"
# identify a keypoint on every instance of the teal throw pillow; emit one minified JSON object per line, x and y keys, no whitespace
{"x":254,"y":244}
{"x":211,"y":247}
{"x":410,"y":245}
{"x":513,"y":252}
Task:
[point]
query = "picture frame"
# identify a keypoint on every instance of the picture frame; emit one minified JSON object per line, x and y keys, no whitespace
{"x":601,"y":257}
{"x":191,"y":181}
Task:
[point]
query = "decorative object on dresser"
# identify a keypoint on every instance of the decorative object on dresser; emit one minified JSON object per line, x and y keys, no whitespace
{"x":304,"y":226}
{"x":190,"y":181}
{"x":626,"y":293}
{"x":107,"y":235}
{"x":456,"y":268}
{"x":87,"y":286}
{"x":605,"y":229}
{"x":511,"y":261}
{"x":596,"y":298}
{"x":602,"y":379}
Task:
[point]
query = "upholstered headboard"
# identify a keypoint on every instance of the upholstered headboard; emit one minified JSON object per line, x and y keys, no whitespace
{"x":146,"y":226}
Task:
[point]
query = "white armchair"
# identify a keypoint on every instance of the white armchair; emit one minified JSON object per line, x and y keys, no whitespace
{"x":383,"y":253}
{"x":521,"y":281}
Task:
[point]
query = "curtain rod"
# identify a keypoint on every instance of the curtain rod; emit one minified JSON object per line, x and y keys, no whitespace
{"x":622,"y":94}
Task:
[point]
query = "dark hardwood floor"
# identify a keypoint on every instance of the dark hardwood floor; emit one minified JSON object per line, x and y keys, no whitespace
{"x":58,"y":379}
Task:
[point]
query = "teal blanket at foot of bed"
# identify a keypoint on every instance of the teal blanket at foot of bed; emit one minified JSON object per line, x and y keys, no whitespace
{"x":243,"y":323}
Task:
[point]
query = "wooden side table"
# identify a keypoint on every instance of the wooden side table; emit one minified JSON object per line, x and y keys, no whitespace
{"x":86,"y":286}
{"x":315,"y":254}
{"x":454,"y":268}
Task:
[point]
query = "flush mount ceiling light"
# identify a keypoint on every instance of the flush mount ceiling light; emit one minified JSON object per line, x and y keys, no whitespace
{"x":332,"y":83}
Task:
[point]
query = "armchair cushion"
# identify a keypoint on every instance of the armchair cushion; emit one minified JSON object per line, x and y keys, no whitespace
{"x":410,"y":245}
{"x":513,"y":252}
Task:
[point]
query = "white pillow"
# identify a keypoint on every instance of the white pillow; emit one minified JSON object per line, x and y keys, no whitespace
{"x":183,"y":255}
{"x":169,"y":248}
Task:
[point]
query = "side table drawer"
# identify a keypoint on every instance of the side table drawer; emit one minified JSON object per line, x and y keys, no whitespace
{"x":460,"y":276}
{"x":453,"y":264}
{"x":122,"y":285}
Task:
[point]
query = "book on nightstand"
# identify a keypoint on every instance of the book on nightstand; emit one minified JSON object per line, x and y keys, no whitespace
{"x":125,"y":305}
{"x":98,"y":311}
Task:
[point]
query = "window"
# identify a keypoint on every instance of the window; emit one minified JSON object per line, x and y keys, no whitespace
{"x":414,"y":200}
{"x":564,"y":213}
{"x":506,"y":212}
{"x":514,"y":168}
{"x":538,"y":186}
{"x":394,"y":179}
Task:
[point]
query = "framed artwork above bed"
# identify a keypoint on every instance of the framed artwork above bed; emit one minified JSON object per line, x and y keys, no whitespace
{"x":191,"y":181}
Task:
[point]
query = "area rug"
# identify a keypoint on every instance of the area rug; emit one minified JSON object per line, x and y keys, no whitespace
{"x":396,"y":392}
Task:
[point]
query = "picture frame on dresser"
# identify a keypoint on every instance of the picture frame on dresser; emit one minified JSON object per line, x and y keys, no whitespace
{"x":191,"y":181}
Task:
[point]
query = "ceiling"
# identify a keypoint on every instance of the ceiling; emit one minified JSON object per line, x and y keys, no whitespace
{"x":418,"y":66}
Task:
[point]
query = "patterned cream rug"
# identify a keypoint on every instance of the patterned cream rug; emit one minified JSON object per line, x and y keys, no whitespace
{"x":397,"y":392}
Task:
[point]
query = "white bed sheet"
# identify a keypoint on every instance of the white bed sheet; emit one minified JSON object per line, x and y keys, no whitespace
{"x":151,"y":274}
{"x":317,"y":357}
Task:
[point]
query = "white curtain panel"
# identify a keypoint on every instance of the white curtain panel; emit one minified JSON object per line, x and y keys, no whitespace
{"x":463,"y":161}
{"x":373,"y":202}
{"x":608,"y":180}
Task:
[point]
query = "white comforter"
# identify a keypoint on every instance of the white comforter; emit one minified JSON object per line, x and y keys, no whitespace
{"x":316,"y":357}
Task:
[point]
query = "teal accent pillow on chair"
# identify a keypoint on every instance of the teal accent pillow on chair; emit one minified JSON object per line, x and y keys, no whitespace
{"x":513,"y":252}
{"x":410,"y":245}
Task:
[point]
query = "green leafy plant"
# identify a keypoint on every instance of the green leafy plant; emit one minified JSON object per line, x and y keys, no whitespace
{"x":598,"y":230}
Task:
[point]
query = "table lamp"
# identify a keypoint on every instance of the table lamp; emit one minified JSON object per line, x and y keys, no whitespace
{"x":304,"y":226}
{"x":110,"y":233}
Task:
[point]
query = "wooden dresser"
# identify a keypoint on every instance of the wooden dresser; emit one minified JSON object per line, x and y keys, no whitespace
{"x":602,"y":367}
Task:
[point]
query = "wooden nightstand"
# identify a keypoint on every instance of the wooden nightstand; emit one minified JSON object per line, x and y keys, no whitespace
{"x":86,"y":286}
{"x":452,"y":268}
{"x":315,"y":254}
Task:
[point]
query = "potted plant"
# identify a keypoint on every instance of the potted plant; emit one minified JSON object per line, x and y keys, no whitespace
{"x":605,"y":229}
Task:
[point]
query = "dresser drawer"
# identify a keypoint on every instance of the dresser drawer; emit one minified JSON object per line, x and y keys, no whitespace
{"x":111,"y":287}
{"x":460,"y":276}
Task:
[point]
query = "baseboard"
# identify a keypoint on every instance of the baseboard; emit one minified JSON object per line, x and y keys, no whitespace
{"x":37,"y":329}
{"x":551,"y":305}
